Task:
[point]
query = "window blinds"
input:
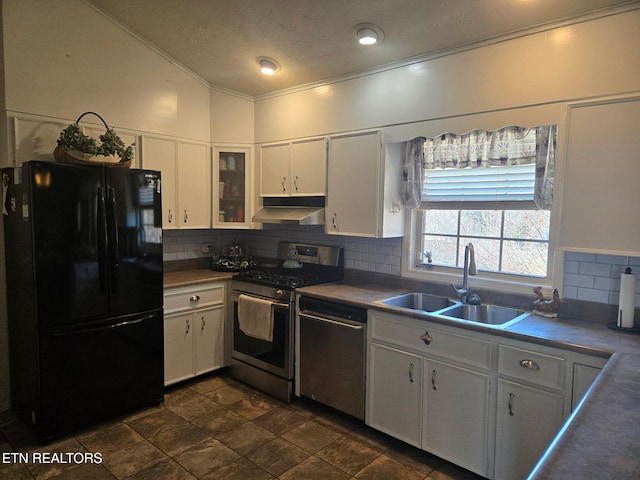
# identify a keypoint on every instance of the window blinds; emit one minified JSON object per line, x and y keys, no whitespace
{"x":510,"y":186}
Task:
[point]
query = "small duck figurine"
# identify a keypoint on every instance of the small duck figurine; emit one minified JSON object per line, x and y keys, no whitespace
{"x":547,"y":308}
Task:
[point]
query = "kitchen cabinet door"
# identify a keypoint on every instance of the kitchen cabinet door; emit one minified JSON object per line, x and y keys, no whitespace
{"x":354,"y":185}
{"x":274,"y":170}
{"x":161,"y":154}
{"x":232,"y":186}
{"x":456,"y":415}
{"x":308,"y":168}
{"x":583,"y":377}
{"x":600,"y":190}
{"x":394,"y":403}
{"x":209,"y":339}
{"x":178,"y":347}
{"x":194,"y":190}
{"x":363,"y":187}
{"x":527,"y":421}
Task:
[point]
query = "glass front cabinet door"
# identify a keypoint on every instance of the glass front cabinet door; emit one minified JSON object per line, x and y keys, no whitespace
{"x":232,"y":206}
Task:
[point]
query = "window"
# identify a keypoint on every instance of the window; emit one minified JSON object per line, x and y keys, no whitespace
{"x":506,"y":241}
{"x":493,"y":189}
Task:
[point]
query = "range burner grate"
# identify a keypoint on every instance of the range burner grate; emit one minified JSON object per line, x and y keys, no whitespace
{"x":284,"y":278}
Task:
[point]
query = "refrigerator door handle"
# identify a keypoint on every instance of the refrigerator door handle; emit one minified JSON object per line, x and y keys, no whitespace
{"x":105,"y":327}
{"x":115,"y":247}
{"x":103,"y":239}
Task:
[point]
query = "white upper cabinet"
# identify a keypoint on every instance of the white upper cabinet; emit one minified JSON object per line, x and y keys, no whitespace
{"x":293,"y":169}
{"x":274,"y":170}
{"x":186,"y":190}
{"x":309,"y":167}
{"x":161,"y":154}
{"x":232,"y":181}
{"x":600,"y":193}
{"x":194,"y":191}
{"x":363,"y":187}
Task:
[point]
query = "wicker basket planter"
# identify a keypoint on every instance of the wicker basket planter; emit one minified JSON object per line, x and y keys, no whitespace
{"x":63,"y":154}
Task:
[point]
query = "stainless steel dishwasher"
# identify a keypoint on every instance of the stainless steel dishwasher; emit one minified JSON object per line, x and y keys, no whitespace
{"x":332,"y":354}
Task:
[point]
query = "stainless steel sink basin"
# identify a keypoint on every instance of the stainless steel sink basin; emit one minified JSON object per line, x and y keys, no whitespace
{"x":489,"y":314}
{"x":420,"y":301}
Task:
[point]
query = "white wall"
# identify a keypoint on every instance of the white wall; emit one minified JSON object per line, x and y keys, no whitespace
{"x":232,"y":118}
{"x":590,"y":59}
{"x":63,"y":57}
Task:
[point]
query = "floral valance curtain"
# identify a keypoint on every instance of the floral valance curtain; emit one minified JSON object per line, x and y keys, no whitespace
{"x":414,"y":166}
{"x":480,"y":149}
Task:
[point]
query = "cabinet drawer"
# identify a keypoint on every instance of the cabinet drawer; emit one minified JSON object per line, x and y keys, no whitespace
{"x":534,"y":367}
{"x":422,"y":337}
{"x":192,"y":297}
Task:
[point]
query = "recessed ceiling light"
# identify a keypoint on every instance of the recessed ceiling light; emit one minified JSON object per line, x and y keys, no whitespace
{"x":268,"y":66}
{"x":368,"y":34}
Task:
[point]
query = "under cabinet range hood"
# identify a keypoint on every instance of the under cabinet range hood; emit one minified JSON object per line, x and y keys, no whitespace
{"x":291,"y":210}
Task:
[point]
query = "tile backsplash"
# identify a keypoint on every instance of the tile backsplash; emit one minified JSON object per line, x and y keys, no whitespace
{"x":587,"y":277}
{"x":374,"y":255}
{"x":596,"y":278}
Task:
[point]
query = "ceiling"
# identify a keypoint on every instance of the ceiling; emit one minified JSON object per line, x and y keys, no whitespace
{"x":313,"y":40}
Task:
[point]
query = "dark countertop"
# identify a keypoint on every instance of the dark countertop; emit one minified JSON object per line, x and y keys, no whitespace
{"x":601,"y":439}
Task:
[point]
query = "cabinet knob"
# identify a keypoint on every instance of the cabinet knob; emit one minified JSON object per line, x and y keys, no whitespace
{"x":194,"y":298}
{"x":426,"y":338}
{"x":530,"y":364}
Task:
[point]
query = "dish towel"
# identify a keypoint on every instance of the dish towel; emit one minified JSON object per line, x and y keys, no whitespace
{"x":255,"y":317}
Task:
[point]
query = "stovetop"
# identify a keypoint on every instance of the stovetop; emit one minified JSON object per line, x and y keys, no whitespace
{"x":289,"y":278}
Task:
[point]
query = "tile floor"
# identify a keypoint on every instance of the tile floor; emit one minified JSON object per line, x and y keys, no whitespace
{"x":218,"y":428}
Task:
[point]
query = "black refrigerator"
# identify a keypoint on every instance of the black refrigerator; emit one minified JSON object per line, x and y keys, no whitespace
{"x":83,"y":248}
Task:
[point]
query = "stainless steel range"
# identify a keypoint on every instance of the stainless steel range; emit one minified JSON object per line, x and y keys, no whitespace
{"x":263,"y":302}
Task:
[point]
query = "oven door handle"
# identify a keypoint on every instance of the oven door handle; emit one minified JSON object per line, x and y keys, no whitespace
{"x":273,"y":304}
{"x":341,"y":323}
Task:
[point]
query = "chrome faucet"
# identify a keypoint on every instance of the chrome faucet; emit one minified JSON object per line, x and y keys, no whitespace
{"x":468,"y":269}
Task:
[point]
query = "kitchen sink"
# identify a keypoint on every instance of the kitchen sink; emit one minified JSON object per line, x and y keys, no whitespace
{"x":420,"y":301}
{"x":488,"y":314}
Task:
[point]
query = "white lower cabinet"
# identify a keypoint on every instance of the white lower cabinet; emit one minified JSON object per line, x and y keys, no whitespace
{"x":178,"y":347}
{"x":395,"y":393}
{"x":527,"y":420}
{"x":530,"y":406}
{"x":485,"y":402}
{"x":456,"y":415}
{"x":417,"y":396}
{"x":194,"y":336}
{"x":583,"y":377}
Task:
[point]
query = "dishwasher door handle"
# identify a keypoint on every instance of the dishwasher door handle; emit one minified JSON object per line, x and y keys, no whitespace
{"x":346,"y":323}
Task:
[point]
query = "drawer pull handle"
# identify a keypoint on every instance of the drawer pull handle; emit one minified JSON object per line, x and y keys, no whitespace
{"x":187,"y":327}
{"x":194,"y":298}
{"x":433,"y":379}
{"x":411,"y":365}
{"x":426,"y":338}
{"x":511,"y":397}
{"x":530,"y":364}
{"x":202,"y":324}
